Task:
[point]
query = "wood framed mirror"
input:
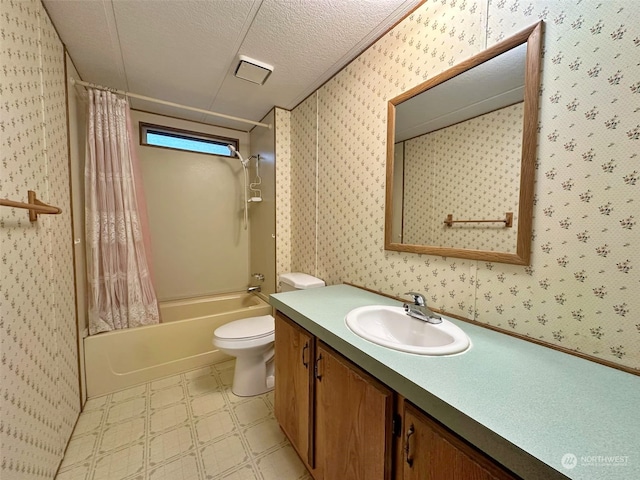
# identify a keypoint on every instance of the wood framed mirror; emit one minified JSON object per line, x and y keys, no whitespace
{"x":461,"y":154}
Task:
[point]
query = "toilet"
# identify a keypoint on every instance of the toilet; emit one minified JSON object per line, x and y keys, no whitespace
{"x":251,"y":341}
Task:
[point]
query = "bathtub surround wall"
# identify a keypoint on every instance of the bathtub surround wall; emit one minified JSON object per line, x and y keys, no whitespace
{"x":579,"y":291}
{"x":39,"y":391}
{"x":262,"y":216}
{"x":194,"y":201}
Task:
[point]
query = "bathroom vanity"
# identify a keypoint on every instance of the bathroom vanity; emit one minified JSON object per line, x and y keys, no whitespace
{"x":506,"y":408}
{"x":344,"y":423}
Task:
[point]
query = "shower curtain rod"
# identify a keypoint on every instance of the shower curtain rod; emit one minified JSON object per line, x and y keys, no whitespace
{"x":164,"y":102}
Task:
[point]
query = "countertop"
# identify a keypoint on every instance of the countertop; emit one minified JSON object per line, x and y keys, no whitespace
{"x":525,"y":405}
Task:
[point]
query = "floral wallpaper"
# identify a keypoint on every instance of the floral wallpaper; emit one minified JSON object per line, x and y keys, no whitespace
{"x":303,"y":185}
{"x":578,"y":292}
{"x":39,"y":392}
{"x":439,"y":163}
{"x":283,"y":191}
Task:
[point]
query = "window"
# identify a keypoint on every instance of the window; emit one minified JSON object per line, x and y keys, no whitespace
{"x":167,"y":137}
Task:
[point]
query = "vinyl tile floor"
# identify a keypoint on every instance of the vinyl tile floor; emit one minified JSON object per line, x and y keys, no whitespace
{"x":185,"y":427}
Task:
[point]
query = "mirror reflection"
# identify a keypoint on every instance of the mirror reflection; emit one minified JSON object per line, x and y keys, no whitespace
{"x":460,"y":156}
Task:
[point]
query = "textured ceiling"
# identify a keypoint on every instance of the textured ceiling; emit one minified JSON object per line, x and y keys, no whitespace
{"x":495,"y":84}
{"x":186,"y":51}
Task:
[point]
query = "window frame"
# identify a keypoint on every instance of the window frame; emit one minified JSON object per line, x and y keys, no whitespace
{"x":146,"y":128}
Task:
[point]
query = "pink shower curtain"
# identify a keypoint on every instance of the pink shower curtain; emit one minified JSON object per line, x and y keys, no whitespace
{"x":121,"y":293}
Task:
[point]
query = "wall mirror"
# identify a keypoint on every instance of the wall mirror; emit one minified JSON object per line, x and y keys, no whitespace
{"x":461,"y":151}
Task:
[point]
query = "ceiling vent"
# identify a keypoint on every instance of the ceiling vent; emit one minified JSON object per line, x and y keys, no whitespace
{"x":253,"y":70}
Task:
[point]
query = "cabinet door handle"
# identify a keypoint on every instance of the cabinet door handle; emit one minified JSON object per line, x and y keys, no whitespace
{"x":407,"y":449}
{"x":304,"y":349}
{"x":317,"y":369}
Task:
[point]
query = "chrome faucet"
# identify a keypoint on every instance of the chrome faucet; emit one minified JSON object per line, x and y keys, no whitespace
{"x":420,"y":310}
{"x":259,"y":277}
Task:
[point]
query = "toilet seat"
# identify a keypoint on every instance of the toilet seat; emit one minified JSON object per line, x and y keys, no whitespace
{"x":252,"y":328}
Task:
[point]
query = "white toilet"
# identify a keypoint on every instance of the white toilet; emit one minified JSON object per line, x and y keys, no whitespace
{"x":251,"y":341}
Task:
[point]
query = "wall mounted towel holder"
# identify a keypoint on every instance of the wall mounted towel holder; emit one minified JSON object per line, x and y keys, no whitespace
{"x":508,"y":220}
{"x":35,"y":206}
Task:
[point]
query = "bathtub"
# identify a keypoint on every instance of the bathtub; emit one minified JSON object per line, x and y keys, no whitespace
{"x":124,"y":358}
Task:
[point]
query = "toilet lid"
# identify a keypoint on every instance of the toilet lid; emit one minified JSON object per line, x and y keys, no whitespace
{"x":247,"y":328}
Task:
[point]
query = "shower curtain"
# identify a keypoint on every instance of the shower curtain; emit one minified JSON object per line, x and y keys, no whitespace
{"x":121,"y":293}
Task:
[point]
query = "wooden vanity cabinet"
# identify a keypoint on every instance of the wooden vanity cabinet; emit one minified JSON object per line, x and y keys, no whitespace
{"x":341,"y":420}
{"x":294,"y":363}
{"x":337,"y":417}
{"x":429,"y":451}
{"x":354,"y":414}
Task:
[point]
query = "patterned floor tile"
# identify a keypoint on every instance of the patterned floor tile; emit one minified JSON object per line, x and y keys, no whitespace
{"x":202,"y":385}
{"x":133,"y":392}
{"x":127,"y":409}
{"x":168,"y":396}
{"x":246,"y":472}
{"x":214,"y":426}
{"x":182,"y":468}
{"x":268,"y":397}
{"x":120,"y":464}
{"x":264,"y":436}
{"x":77,"y":472}
{"x":186,"y":427}
{"x":207,"y":404}
{"x":170,"y":417}
{"x":225,"y":372}
{"x":166,"y":382}
{"x":280,"y":464}
{"x":169,"y":444}
{"x":80,"y":449}
{"x":97,"y":403}
{"x":121,"y":434}
{"x":251,"y":411}
{"x":199,"y":372}
{"x":89,"y":422}
{"x":223,"y":455}
{"x":232,"y":398}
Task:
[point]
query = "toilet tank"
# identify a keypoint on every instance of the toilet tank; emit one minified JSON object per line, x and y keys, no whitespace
{"x":298,"y":281}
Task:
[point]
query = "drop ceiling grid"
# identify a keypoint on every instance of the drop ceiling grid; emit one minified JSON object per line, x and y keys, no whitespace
{"x":330,"y":30}
{"x":186,"y":52}
{"x":90,"y":34}
{"x":186,"y":49}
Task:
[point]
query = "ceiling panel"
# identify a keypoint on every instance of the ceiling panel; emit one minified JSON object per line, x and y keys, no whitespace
{"x":186,"y":51}
{"x":310,"y":44}
{"x":89,"y":32}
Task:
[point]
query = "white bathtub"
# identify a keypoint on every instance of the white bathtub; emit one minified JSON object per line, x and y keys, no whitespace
{"x":182,"y":342}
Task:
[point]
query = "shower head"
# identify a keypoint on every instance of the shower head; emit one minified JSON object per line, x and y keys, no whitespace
{"x":236,"y":153}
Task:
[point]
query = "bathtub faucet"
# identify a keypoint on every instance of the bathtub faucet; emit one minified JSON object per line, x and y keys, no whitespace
{"x":254,"y":289}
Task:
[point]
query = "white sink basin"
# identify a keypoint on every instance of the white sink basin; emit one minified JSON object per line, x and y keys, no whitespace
{"x":391,"y":327}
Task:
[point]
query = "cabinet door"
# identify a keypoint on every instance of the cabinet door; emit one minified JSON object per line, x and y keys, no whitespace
{"x":430,"y":452}
{"x":353,"y":421}
{"x":294,"y":355}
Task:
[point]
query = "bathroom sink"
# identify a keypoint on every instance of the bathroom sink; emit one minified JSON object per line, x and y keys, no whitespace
{"x":391,"y":327}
